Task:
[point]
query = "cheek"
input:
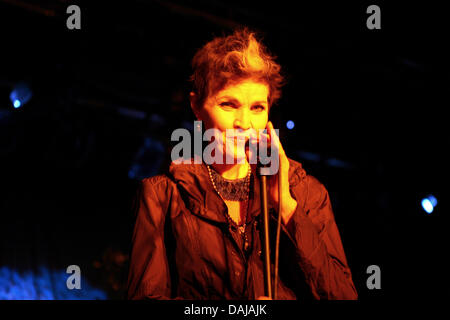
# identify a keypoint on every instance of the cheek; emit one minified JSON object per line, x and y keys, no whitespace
{"x":222,"y":122}
{"x":260,"y":121}
{"x":221,"y":119}
{"x":210,"y":119}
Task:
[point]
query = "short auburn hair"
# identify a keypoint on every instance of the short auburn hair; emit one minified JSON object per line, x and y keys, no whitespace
{"x":233,"y":58}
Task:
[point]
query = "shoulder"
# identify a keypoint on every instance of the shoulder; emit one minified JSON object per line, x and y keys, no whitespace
{"x":312,"y":190}
{"x":296,"y":172}
{"x":158,"y":196}
{"x":312,"y":196}
{"x":159,"y":184}
{"x":155,"y":180}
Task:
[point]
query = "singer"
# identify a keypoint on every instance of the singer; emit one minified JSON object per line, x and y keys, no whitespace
{"x":198,"y":230}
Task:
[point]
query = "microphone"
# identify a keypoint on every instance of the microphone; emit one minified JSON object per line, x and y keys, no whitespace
{"x":260,"y":152}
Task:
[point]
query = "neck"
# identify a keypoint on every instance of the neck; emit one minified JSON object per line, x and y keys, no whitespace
{"x":232,"y":171}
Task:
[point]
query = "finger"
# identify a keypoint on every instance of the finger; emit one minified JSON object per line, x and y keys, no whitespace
{"x":267,"y":141}
{"x":275,"y":138}
{"x":265,"y":138}
{"x":284,"y":161}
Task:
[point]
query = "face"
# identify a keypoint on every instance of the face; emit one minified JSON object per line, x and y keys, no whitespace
{"x":243,"y":106}
{"x":238,"y":106}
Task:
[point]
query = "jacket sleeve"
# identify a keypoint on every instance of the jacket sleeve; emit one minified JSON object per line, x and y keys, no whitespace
{"x":149,"y":276}
{"x":320,"y":253}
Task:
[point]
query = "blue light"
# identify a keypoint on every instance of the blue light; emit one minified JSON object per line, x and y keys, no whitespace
{"x":429,"y":203}
{"x":43,"y":283}
{"x":290,"y":124}
{"x":427,"y":206}
{"x":20,"y":95}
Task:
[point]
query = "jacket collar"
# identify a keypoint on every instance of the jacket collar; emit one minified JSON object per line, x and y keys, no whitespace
{"x":197,"y":190}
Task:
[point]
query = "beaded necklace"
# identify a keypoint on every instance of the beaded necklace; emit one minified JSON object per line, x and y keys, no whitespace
{"x":233,"y":190}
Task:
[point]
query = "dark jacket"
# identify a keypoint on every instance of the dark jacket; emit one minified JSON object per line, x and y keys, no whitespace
{"x":183,"y":246}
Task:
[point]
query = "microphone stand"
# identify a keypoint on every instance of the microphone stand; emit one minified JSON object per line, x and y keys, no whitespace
{"x":277,"y":241}
{"x":266,"y":245}
{"x":266,"y":242}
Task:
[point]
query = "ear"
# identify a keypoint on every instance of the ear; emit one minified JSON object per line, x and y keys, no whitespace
{"x":193,"y":101}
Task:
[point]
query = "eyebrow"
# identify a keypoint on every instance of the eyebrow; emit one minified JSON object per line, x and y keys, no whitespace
{"x":232,"y":99}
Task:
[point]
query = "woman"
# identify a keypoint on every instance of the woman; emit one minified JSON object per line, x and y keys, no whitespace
{"x":198,"y":229}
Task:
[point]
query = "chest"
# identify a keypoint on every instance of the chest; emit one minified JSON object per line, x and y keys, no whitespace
{"x":237,"y":210}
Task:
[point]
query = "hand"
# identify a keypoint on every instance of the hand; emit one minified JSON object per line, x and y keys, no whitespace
{"x":287,"y":201}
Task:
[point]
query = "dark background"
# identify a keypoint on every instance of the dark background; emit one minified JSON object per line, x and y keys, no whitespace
{"x":369,"y":108}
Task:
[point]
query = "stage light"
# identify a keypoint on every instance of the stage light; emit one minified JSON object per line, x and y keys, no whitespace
{"x":290,"y":124}
{"x":20,"y":95}
{"x":429,"y":203}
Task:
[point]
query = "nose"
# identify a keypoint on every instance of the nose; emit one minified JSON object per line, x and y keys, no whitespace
{"x":242,"y":119}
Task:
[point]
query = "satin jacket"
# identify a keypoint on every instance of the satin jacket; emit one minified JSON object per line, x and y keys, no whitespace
{"x":184,"y":248}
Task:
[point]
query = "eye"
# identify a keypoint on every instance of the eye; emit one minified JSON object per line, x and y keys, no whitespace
{"x":227,"y":104}
{"x":259,"y":108}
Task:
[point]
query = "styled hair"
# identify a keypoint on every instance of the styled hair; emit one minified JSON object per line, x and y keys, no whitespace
{"x":230,"y":59}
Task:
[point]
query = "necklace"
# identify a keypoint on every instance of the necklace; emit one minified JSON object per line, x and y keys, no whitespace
{"x":233,"y":190}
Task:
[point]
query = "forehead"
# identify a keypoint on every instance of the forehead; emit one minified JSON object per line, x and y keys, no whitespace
{"x":243,"y":90}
